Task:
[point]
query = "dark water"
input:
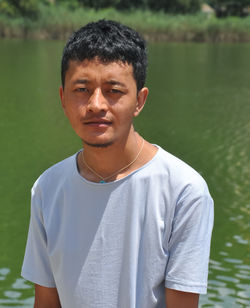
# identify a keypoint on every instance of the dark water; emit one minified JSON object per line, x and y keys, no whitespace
{"x":198,"y":109}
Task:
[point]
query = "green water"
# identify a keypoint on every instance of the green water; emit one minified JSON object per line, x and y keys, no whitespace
{"x":198,"y":109}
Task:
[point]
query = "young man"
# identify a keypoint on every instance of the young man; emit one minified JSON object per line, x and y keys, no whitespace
{"x":121,"y":223}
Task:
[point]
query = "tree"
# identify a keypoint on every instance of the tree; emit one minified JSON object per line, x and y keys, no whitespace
{"x":226,"y":8}
{"x":98,"y":4}
{"x":6,"y":8}
{"x":128,"y":4}
{"x":175,"y":6}
{"x":27,"y":8}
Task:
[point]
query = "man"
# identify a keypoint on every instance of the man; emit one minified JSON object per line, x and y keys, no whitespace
{"x":121,"y":223}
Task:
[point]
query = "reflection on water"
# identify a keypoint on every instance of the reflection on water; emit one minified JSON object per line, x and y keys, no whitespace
{"x":230,"y":286}
{"x":15,"y":294}
{"x":198,"y":109}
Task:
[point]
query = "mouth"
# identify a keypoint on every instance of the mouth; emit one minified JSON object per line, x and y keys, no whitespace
{"x":98,"y":123}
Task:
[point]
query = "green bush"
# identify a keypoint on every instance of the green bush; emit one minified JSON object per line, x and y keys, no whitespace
{"x":98,"y":4}
{"x":225,"y":8}
{"x":14,"y":8}
{"x":6,"y":8}
{"x":172,"y":6}
{"x":221,"y":2}
{"x":30,"y":8}
{"x":175,"y":6}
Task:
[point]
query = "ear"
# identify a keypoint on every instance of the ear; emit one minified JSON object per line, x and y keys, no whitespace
{"x":61,"y":92}
{"x":141,"y":100}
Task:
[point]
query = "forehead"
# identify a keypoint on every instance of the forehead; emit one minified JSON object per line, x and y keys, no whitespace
{"x":97,"y":69}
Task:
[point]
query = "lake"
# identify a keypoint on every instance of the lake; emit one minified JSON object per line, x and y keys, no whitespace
{"x":198,"y":109}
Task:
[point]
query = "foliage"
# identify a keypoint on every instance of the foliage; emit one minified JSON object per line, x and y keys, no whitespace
{"x":221,"y":2}
{"x":27,"y":8}
{"x":175,"y":6}
{"x":58,"y":22}
{"x":98,"y":4}
{"x":73,"y":4}
{"x":30,"y":8}
{"x":226,"y":8}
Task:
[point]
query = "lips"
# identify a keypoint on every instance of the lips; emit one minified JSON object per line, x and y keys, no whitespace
{"x":98,"y":122}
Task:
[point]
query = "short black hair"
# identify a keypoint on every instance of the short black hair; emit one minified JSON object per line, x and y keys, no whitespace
{"x":108,"y":41}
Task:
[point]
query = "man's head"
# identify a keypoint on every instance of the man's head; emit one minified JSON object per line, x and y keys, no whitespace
{"x":103,"y":75}
{"x":109,"y":41}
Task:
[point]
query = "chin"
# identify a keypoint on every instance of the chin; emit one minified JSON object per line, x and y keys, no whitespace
{"x":98,"y":144}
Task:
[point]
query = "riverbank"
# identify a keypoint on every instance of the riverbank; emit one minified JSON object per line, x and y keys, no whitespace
{"x":59,"y":22}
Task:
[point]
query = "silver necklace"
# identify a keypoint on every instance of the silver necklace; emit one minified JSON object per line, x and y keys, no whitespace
{"x":104,"y":179}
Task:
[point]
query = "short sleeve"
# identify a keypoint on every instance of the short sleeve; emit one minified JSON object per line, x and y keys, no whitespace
{"x":36,"y":265}
{"x":189,"y":243}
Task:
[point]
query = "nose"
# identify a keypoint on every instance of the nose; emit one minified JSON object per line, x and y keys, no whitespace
{"x":97,"y":101}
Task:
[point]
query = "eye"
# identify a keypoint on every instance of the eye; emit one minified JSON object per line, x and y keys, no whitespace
{"x":115,"y":91}
{"x":81,"y":90}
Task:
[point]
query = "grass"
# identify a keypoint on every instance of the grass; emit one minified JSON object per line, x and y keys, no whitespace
{"x":59,"y":22}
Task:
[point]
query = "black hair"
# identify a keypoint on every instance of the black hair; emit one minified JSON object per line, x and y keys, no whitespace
{"x":108,"y":41}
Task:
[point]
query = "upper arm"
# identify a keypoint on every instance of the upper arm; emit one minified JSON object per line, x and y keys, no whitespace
{"x":46,"y":297}
{"x":188,"y":246}
{"x":180,"y":299}
{"x":37,"y":265}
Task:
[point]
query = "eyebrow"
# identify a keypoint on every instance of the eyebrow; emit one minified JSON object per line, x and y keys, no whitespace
{"x":109,"y":82}
{"x":115,"y":82}
{"x":82,"y":81}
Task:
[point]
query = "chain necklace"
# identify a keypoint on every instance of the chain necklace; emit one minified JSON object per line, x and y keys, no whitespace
{"x":104,"y":179}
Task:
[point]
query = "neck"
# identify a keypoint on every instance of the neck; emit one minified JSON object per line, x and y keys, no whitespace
{"x":106,"y":161}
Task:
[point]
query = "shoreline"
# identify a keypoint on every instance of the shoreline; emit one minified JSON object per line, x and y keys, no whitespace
{"x":57,"y":23}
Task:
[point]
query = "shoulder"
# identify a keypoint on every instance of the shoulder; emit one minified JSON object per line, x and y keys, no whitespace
{"x":191,"y":197}
{"x":181,"y":177}
{"x":56,"y":174}
{"x":176,"y":168}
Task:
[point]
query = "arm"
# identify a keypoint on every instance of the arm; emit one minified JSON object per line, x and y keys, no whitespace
{"x":178,"y":299}
{"x":46,"y":297}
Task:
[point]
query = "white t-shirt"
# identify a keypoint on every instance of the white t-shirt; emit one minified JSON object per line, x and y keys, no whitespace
{"x":119,"y":244}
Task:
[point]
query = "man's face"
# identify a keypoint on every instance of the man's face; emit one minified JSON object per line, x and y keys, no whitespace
{"x":101,"y":100}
